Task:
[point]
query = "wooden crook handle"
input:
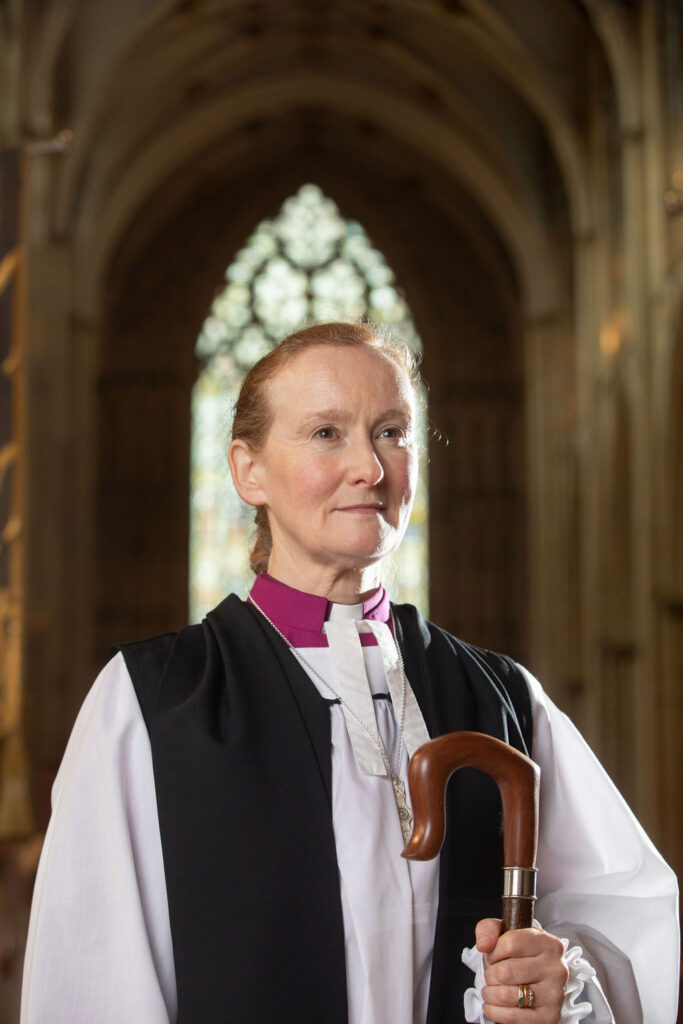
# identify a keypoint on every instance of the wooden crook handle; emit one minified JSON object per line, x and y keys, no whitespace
{"x":518,"y":779}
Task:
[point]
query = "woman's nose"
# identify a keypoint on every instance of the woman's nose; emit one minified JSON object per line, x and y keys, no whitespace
{"x":365,"y":466}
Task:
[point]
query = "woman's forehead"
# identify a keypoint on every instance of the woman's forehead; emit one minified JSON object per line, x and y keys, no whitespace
{"x":342,"y":375}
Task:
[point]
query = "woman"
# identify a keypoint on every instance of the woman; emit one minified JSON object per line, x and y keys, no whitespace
{"x":231,"y":808}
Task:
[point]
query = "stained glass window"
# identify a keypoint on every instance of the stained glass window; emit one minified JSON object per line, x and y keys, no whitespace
{"x":307,"y":264}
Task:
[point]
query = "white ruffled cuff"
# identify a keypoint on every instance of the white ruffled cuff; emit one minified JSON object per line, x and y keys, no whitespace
{"x":580,"y":971}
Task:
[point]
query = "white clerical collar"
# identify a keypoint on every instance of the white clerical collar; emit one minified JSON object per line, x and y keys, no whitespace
{"x":337,"y":612}
{"x":310,"y":621}
{"x":351,"y":682}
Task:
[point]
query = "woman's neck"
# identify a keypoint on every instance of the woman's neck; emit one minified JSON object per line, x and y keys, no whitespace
{"x":340,"y":586}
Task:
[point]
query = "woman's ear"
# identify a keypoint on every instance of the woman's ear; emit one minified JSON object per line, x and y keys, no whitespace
{"x":244,"y":467}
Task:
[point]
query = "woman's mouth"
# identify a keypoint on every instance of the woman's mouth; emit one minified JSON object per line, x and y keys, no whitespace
{"x":369,"y":509}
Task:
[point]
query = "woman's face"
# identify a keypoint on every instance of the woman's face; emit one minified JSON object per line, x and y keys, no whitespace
{"x":338,"y":469}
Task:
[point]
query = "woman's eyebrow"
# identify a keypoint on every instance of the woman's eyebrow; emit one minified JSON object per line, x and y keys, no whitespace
{"x":344,"y":415}
{"x":399,"y":412}
{"x":338,"y":415}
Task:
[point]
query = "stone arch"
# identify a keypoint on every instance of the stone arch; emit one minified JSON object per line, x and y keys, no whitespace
{"x":110,"y":205}
{"x":145,"y":378}
{"x":615,"y":28}
{"x":245,"y":322}
{"x":405,"y":112}
{"x":175,"y":38}
{"x":44,"y":85}
{"x":127,"y":196}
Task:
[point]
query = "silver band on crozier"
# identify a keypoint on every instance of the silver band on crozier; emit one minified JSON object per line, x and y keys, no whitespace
{"x":519,"y":882}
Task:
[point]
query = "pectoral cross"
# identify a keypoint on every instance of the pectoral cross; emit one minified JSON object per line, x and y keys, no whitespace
{"x":404,"y":812}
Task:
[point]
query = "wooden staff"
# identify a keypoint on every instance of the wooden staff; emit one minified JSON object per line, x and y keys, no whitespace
{"x":517,"y":777}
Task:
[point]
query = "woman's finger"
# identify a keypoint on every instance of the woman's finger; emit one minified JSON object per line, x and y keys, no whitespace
{"x":513,"y":1015}
{"x":525,"y":942}
{"x":508,"y":995}
{"x":509,"y":972}
{"x":501,"y":1004}
{"x":487,"y":934}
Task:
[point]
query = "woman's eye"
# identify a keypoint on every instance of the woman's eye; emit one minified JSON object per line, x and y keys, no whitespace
{"x":392,"y":432}
{"x":324,"y":433}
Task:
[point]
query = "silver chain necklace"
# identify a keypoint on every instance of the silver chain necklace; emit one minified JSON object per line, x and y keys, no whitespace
{"x":405,"y":814}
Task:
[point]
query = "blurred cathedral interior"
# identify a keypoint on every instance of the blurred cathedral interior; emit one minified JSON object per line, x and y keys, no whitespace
{"x":500,"y":182}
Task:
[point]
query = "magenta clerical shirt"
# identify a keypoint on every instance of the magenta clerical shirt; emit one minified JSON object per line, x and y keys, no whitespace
{"x":300,"y":616}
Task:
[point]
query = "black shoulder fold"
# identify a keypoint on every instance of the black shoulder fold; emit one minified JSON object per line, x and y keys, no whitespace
{"x":512,"y":677}
{"x":511,"y":683}
{"x":145,"y":661}
{"x":496,"y":683}
{"x":238,"y":735}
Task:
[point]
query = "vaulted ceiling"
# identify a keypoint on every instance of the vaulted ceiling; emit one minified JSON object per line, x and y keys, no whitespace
{"x":478,"y":102}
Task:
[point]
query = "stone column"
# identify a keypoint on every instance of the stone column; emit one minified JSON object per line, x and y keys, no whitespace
{"x":552,"y":507}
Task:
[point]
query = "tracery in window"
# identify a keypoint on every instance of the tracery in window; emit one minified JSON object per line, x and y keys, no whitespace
{"x":306,"y":264}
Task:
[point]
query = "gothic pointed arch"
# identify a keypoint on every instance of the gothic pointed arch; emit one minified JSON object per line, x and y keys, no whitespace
{"x":306,"y":264}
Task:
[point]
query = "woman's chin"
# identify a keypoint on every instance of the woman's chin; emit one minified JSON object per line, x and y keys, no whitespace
{"x":360,"y":555}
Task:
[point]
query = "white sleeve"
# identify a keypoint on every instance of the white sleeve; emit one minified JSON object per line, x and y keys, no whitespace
{"x":602,"y":884}
{"x":99,"y":941}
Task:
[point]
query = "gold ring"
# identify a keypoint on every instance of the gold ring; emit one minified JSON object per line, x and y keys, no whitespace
{"x":525,"y":996}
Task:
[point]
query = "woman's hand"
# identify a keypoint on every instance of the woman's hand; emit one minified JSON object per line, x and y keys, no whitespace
{"x":528,"y":956}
